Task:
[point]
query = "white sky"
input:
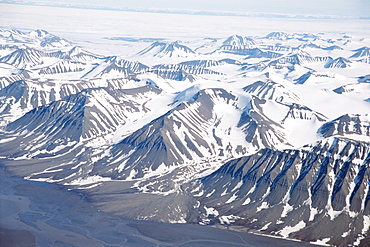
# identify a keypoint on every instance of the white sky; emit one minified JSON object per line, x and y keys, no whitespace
{"x":321,"y":7}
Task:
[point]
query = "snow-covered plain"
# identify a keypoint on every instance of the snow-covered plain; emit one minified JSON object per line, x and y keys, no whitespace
{"x":93,"y":29}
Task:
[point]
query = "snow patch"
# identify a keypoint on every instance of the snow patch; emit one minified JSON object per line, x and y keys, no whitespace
{"x":247,"y":201}
{"x":231,"y":199}
{"x":286,"y":210}
{"x":291,"y":229}
{"x":211,"y":211}
{"x":88,"y":180}
{"x":323,"y":242}
{"x":228,"y":219}
{"x":264,"y":205}
{"x":265,"y":227}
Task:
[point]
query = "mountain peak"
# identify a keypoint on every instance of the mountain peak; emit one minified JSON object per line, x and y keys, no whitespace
{"x":347,"y":124}
{"x":166,"y":49}
{"x":278,"y":35}
{"x":236,"y":40}
{"x":339,"y":62}
{"x":40,"y":33}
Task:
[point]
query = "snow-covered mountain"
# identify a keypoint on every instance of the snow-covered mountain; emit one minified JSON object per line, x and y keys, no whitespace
{"x":361,"y":55}
{"x":35,"y":38}
{"x":10,"y":74}
{"x":267,"y":134}
{"x":22,"y":96}
{"x":76,"y":54}
{"x":163,"y":50}
{"x":237,"y":40}
{"x":115,"y":67}
{"x":272,"y":91}
{"x":347,"y":124}
{"x":339,"y":62}
{"x":361,"y":52}
{"x":278,"y":35}
{"x":237,"y":45}
{"x":193,"y":130}
{"x":89,"y":116}
{"x":297,"y":57}
{"x":24,"y":57}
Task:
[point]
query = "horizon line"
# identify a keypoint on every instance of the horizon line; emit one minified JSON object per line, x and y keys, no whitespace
{"x":190,"y":12}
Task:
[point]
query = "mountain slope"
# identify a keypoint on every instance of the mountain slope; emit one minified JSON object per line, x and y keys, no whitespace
{"x":347,"y":124}
{"x":34,"y":38}
{"x":192,"y":131}
{"x":115,"y":67}
{"x":23,"y":96}
{"x":301,"y":194}
{"x":87,"y":116}
{"x":298,"y":57}
{"x":27,"y":57}
{"x":162,"y":50}
{"x":272,"y":91}
{"x":339,"y":62}
{"x":362,"y":55}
